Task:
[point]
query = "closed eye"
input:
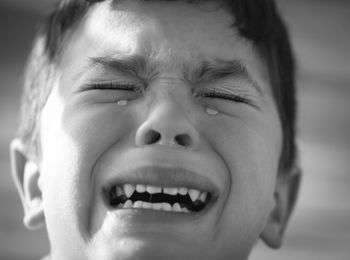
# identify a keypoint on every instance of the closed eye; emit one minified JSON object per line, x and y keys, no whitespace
{"x":226,"y":96}
{"x":113,"y":86}
{"x":110,"y":91}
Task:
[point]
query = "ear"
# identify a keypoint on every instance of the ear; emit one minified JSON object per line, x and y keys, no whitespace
{"x":26,"y":176}
{"x":286,"y":192}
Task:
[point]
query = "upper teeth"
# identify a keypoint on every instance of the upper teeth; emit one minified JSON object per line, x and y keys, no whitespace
{"x":141,"y":188}
{"x":153,"y":190}
{"x":129,"y":189}
{"x":183,"y":191}
{"x":170,"y":191}
{"x":193,"y":194}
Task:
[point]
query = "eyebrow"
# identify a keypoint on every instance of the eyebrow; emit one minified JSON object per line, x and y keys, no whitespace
{"x":134,"y":65}
{"x":205,"y":71}
{"x":211,"y":71}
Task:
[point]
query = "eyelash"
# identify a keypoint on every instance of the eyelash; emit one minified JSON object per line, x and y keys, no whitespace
{"x":227,"y":96}
{"x":210,"y":94}
{"x":115,"y":86}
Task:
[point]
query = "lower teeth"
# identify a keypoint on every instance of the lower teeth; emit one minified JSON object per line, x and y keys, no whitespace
{"x":155,"y":206}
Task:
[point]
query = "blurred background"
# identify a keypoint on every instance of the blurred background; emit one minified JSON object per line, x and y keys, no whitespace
{"x":320,"y":226}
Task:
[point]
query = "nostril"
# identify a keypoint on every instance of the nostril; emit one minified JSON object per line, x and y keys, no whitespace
{"x":183,"y":140}
{"x":152,"y":137}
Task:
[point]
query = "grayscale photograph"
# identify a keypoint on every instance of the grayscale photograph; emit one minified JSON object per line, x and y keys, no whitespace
{"x":175,"y":129}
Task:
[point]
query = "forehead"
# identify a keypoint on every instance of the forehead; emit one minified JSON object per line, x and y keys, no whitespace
{"x":160,"y":29}
{"x":172,"y":34}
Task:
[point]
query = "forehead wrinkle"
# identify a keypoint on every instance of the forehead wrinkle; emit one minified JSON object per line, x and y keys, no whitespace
{"x":134,"y":64}
{"x":146,"y":66}
{"x":164,"y":58}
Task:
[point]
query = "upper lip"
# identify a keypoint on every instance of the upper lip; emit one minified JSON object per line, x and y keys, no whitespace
{"x":163,"y":176}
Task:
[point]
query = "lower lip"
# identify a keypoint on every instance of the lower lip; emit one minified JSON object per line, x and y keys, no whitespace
{"x":159,"y":216}
{"x":148,"y":220}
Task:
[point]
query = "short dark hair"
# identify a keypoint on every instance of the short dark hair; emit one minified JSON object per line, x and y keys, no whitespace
{"x":255,"y":20}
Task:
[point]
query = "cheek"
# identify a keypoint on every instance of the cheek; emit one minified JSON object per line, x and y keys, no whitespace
{"x":250,"y":148}
{"x":246,"y":144}
{"x":94,"y":127}
{"x":73,"y":139}
{"x":251,"y":153}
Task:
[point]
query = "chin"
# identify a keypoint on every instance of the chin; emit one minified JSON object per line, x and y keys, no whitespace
{"x":141,"y":248}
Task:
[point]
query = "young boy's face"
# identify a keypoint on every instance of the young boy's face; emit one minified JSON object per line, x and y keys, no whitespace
{"x":202,"y":117}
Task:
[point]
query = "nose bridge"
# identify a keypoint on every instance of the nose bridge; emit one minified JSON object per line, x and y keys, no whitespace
{"x":167,"y":123}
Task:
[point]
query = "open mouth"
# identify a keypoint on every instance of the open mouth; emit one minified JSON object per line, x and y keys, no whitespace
{"x":140,"y":196}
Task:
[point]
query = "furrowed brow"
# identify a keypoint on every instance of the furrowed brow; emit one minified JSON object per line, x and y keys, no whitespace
{"x":211,"y":71}
{"x":132,"y":65}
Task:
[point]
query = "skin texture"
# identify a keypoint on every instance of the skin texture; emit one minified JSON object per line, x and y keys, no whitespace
{"x":88,"y":140}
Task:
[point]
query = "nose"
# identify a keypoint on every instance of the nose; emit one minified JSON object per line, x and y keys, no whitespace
{"x":167,"y":124}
